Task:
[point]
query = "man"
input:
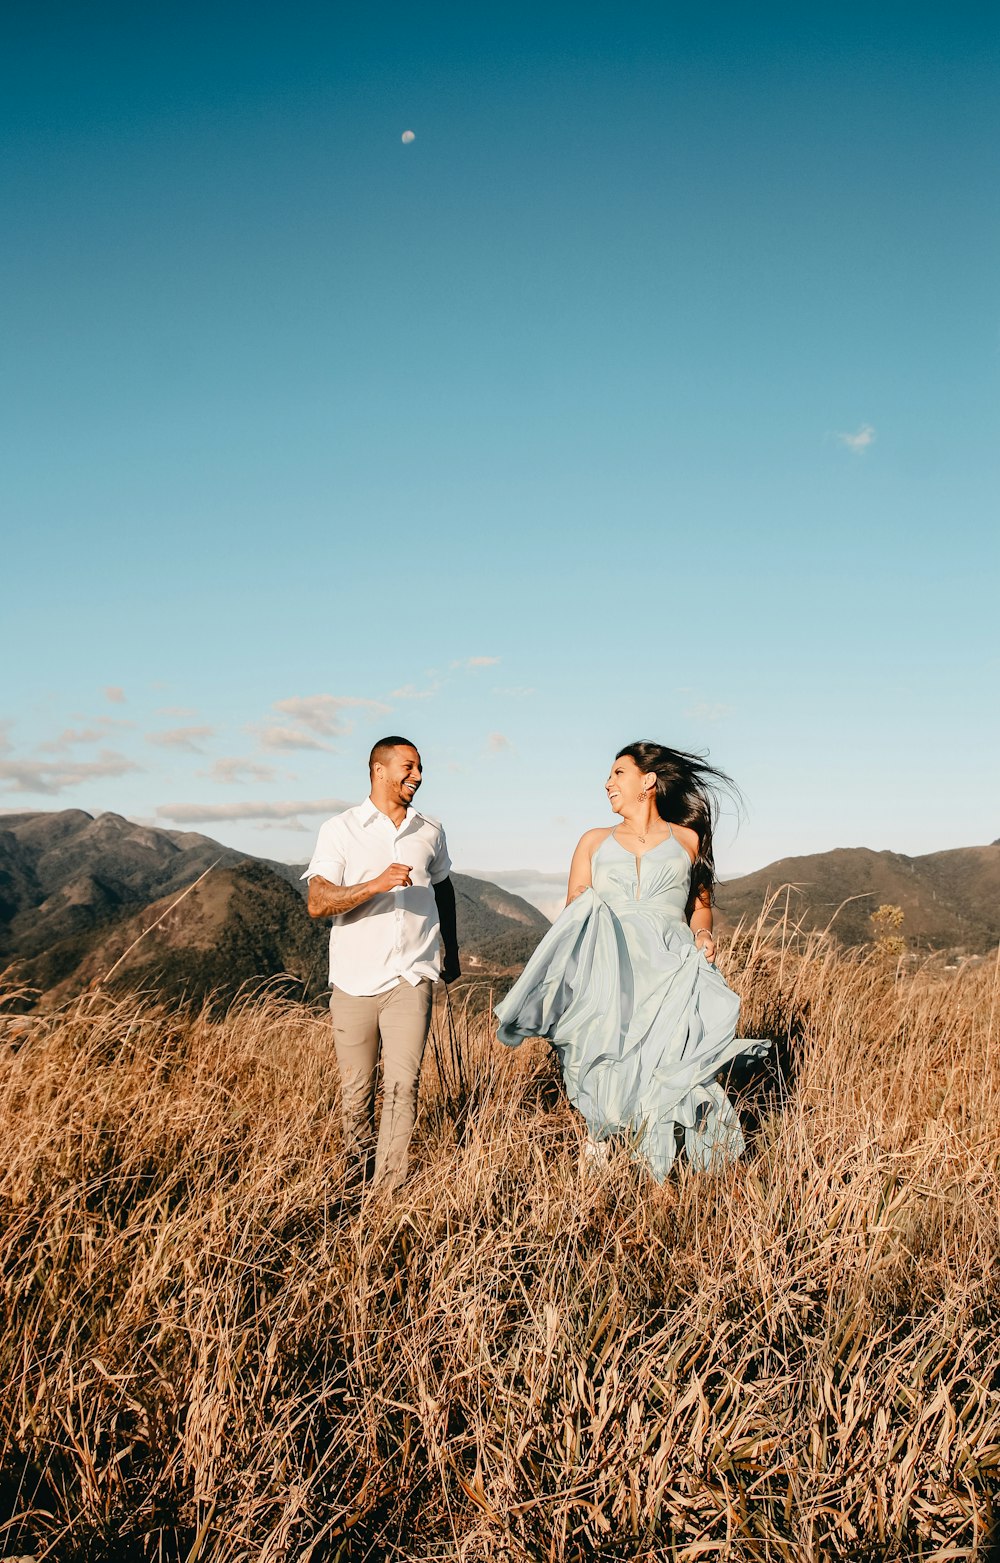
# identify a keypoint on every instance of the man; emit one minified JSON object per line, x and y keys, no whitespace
{"x":381,"y":871}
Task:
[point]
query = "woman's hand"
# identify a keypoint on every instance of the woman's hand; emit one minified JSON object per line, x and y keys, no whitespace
{"x":704,"y":940}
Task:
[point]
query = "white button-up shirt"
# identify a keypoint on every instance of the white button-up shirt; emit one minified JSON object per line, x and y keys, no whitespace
{"x":394,"y":935}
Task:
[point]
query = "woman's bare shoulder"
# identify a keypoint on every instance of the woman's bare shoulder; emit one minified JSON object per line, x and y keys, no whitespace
{"x":590,"y":841}
{"x":593,"y":838}
{"x":689,"y":839}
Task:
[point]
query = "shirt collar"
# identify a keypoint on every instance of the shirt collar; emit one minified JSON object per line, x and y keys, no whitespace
{"x":369,"y":812}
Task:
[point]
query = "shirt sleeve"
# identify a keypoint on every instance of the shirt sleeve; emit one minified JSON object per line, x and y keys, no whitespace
{"x":440,"y":865}
{"x":328,"y":859}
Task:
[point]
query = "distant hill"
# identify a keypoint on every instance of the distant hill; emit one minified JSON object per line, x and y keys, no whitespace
{"x":64,"y":874}
{"x":76,"y":890}
{"x":546,"y":891}
{"x":950,"y":900}
{"x":240,"y":925}
{"x":495,"y":927}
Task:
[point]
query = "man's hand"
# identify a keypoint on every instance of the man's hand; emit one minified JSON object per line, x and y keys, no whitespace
{"x":450,"y":967}
{"x":395,"y":877}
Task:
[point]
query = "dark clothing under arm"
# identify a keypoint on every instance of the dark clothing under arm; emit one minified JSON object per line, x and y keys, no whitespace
{"x":444,"y":895}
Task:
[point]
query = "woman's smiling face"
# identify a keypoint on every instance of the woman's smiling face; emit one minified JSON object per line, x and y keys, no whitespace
{"x":626,"y":784}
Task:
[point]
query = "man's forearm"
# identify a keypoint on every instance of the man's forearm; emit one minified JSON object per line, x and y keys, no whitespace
{"x":326,"y":900}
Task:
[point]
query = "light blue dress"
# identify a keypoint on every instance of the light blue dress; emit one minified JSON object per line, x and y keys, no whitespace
{"x":641,"y":1021}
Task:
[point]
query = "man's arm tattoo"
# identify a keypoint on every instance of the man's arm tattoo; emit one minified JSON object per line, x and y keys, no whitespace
{"x":326,"y":900}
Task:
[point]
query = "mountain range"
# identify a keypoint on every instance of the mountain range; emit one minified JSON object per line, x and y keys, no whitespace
{"x":77,"y":892}
{"x":88,"y":901}
{"x":949,"y":900}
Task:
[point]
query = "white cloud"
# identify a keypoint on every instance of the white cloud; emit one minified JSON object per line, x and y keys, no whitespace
{"x":230,"y":769}
{"x":410,"y":692}
{"x":286,"y":738}
{"x":115,"y":693}
{"x":860,"y":440}
{"x":313,"y":718}
{"x":498,"y":743}
{"x":213,"y":813}
{"x":322,"y":713}
{"x":181,"y":738}
{"x":51,"y":776}
{"x":72,"y":736}
{"x":476,"y":662}
{"x":708,"y":711}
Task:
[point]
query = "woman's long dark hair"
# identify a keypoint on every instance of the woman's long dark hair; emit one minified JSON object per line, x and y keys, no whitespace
{"x":686,"y":794}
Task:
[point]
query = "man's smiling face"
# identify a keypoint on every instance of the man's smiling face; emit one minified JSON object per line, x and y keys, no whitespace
{"x":401,"y":775}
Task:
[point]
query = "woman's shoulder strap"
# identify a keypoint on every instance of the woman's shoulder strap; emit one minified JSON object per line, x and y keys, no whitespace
{"x":597,"y":836}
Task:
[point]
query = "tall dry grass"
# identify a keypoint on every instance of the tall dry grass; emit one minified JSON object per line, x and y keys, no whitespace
{"x":208,"y":1352}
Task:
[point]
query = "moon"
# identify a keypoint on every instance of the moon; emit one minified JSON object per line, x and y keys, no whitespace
{"x":407,"y":137}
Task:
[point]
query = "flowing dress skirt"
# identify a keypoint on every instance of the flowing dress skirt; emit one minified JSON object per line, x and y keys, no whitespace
{"x":642,"y":1024}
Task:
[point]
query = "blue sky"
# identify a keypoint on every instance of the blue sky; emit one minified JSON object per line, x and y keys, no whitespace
{"x":652,"y":391}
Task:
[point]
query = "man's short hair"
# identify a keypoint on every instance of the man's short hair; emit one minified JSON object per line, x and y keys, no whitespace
{"x":382,"y":750}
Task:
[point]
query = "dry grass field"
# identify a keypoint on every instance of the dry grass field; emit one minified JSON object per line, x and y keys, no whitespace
{"x":208,"y":1353}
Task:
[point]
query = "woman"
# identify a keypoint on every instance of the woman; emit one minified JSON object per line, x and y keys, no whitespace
{"x":622,"y":984}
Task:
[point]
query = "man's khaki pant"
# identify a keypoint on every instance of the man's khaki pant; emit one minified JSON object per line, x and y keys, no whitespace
{"x":402,"y":1018}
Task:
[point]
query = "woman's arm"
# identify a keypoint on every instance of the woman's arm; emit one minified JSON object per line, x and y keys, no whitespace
{"x":580,"y":872}
{"x":701,"y":925}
